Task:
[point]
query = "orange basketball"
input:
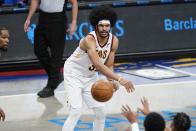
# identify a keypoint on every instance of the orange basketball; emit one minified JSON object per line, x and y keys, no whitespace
{"x":102,"y":90}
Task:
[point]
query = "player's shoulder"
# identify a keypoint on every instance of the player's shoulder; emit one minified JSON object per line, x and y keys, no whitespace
{"x":89,"y":37}
{"x":115,"y":38}
{"x":87,"y":40}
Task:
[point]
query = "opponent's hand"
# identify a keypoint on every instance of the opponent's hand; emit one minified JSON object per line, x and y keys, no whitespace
{"x":2,"y":115}
{"x":129,"y":114}
{"x":145,"y":109}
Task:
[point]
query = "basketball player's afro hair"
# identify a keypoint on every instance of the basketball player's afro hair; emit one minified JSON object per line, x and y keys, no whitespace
{"x":102,"y":13}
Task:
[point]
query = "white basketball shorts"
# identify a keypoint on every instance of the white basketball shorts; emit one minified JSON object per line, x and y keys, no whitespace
{"x":78,"y":90}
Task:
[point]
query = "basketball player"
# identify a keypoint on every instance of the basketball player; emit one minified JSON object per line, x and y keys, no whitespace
{"x":95,"y":53}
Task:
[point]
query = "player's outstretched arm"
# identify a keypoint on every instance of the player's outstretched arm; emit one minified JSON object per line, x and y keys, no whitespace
{"x":131,"y":116}
{"x":89,"y":46}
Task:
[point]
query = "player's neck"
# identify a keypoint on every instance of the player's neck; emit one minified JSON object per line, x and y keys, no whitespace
{"x":102,"y":40}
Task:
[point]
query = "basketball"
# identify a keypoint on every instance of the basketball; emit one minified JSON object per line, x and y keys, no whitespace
{"x":102,"y":90}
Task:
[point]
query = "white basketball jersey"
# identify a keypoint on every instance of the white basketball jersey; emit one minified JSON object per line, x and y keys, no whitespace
{"x":79,"y":62}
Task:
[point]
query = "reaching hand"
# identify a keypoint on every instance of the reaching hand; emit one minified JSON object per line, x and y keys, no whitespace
{"x":2,"y":115}
{"x":129,"y":114}
{"x":145,"y":110}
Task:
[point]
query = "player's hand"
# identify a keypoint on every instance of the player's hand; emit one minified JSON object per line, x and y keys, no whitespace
{"x":127,"y":84}
{"x":129,"y":114}
{"x":26,"y":25}
{"x":2,"y":115}
{"x":145,"y":110}
{"x":115,"y":85}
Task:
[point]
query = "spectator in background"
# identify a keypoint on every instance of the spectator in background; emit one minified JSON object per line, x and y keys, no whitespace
{"x":49,"y":38}
{"x":4,"y":40}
